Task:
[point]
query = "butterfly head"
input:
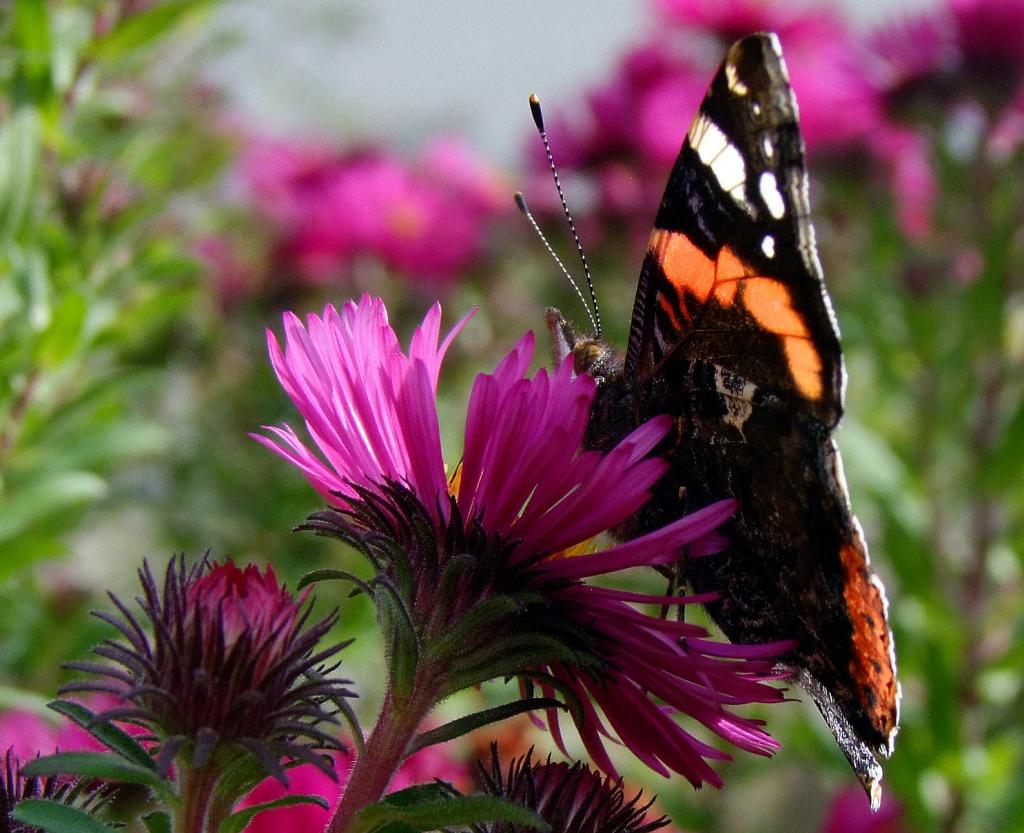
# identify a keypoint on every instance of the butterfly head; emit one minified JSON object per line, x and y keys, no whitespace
{"x":590,"y":355}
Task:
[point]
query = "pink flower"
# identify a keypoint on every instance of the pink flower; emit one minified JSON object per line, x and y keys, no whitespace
{"x":427,"y":219}
{"x":245,"y":604}
{"x":526,"y":484}
{"x":362,"y":400}
{"x":912,"y":50}
{"x":230,"y":278}
{"x":850,"y":812}
{"x":1007,"y":134}
{"x":906,"y":156}
{"x":422,"y":767}
{"x":730,"y":20}
{"x":990,"y":30}
{"x":223,"y":665}
{"x":569,"y":798}
{"x":28,"y":734}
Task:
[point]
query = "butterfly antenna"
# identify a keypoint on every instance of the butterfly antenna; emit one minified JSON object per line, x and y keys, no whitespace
{"x":538,"y":119}
{"x":521,"y":203}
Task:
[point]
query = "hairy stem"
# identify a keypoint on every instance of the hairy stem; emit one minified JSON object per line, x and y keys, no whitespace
{"x":196,"y":788}
{"x":385,"y":750}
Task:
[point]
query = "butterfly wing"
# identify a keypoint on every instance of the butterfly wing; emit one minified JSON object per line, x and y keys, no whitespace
{"x":731,"y":269}
{"x":733,"y":334}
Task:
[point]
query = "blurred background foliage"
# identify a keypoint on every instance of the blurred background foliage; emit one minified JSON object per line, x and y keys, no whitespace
{"x":149,"y":233}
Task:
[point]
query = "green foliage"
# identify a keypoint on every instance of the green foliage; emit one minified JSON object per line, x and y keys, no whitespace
{"x":434,"y":807}
{"x":53,"y":817}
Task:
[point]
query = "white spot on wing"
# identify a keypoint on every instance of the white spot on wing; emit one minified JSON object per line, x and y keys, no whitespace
{"x":736,"y":85}
{"x":771,"y":196}
{"x":724,"y":159}
{"x":768,"y":246}
{"x":728,"y":168}
{"x":769,"y":148}
{"x":707,"y":139}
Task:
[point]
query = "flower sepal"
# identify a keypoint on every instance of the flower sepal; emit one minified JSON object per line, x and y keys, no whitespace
{"x":471,"y":722}
{"x":400,"y":638}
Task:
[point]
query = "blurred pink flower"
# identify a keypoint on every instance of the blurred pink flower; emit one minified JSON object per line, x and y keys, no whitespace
{"x":1007,"y":134}
{"x":850,"y":812}
{"x":425,"y":220}
{"x":730,"y":19}
{"x":231,"y":279}
{"x":990,"y":30}
{"x":838,"y":101}
{"x":912,"y":50}
{"x":422,"y":767}
{"x":905,"y":154}
{"x":29,"y":734}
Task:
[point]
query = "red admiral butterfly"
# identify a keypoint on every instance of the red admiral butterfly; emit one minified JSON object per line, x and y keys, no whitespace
{"x":734,"y":335}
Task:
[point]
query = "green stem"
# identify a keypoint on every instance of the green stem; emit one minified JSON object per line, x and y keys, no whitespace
{"x":385,"y":750}
{"x":196,"y":788}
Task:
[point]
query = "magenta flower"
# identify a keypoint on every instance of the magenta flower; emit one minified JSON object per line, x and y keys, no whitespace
{"x":362,"y":399}
{"x":731,"y":20}
{"x":905,"y":155}
{"x":223,"y":669}
{"x":849,"y":813}
{"x":513,"y":525}
{"x":426,"y":219}
{"x":911,"y":52}
{"x":571,"y":799}
{"x":990,"y":31}
{"x":27,"y":734}
{"x":1007,"y":134}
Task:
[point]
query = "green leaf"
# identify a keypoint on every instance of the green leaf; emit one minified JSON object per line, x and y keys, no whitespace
{"x":461,"y":726}
{"x":32,"y":39}
{"x":94,"y":765}
{"x":71,"y":30}
{"x":236,"y":822}
{"x":19,"y":161}
{"x":141,"y":29}
{"x":455,"y":811}
{"x":56,"y":818}
{"x":157,"y":822}
{"x":237,"y":778}
{"x":44,"y":496}
{"x":64,"y":334}
{"x":106,"y":733}
{"x":418,"y":794}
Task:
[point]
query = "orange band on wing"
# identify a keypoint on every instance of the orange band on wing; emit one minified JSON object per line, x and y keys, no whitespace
{"x":871,"y":666}
{"x":771,"y":305}
{"x":685,"y":266}
{"x":804,"y":365}
{"x":768,"y":300}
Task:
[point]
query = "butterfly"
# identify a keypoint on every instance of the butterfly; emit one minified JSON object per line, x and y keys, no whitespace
{"x":734,"y":336}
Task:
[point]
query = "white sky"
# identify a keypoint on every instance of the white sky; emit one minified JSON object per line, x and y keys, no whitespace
{"x":413,"y":68}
